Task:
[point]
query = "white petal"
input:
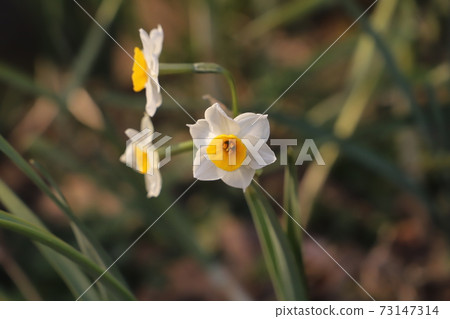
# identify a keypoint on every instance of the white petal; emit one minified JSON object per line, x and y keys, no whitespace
{"x":219,"y":122}
{"x":146,"y":46}
{"x":126,"y":154}
{"x":130,"y":132}
{"x":154,"y":99}
{"x":153,"y":183}
{"x":252,"y":124}
{"x":156,"y":38}
{"x":154,"y":68}
{"x":240,"y":178}
{"x":146,"y":123}
{"x":123,"y":157}
{"x":152,"y":161}
{"x":145,"y":39}
{"x":206,"y":170}
{"x":266,"y":157}
{"x":152,"y":46}
{"x":200,"y":132}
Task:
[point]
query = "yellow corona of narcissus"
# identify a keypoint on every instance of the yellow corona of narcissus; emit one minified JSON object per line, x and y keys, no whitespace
{"x":146,"y":68}
{"x":230,"y":149}
{"x":142,"y":160}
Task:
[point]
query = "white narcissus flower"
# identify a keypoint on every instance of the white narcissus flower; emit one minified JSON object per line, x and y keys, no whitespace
{"x":146,"y":68}
{"x":230,"y":149}
{"x":144,"y":162}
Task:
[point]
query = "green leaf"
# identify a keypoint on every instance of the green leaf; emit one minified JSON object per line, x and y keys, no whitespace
{"x":73,"y":277}
{"x":82,"y":234}
{"x":46,"y":238}
{"x":291,"y":205}
{"x":283,"y":270}
{"x":87,"y":242}
{"x":391,"y":64}
{"x":83,"y":242}
{"x":82,"y":66}
{"x":291,"y":11}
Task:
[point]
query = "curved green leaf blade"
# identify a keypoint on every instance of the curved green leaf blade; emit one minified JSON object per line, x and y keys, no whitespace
{"x":281,"y":264}
{"x":46,"y":238}
{"x":87,"y":243}
{"x":69,"y":272}
{"x":291,"y":205}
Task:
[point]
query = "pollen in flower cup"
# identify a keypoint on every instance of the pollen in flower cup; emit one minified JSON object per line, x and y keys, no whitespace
{"x":230,"y":149}
{"x":146,"y":68}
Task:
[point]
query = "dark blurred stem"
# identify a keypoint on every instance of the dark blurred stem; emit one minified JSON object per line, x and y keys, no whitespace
{"x":24,"y":82}
{"x":203,"y":67}
{"x":83,"y":65}
{"x":17,"y":275}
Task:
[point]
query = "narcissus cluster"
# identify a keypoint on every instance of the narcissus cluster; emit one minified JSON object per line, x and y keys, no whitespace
{"x":230,"y":149}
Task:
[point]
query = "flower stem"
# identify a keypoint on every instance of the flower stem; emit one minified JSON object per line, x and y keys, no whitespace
{"x":177,"y":148}
{"x":232,"y":85}
{"x":203,"y":67}
{"x":176,"y":68}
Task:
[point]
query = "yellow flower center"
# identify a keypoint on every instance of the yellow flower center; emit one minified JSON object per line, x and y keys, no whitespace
{"x":227,"y":152}
{"x":141,"y":160}
{"x":139,"y":75}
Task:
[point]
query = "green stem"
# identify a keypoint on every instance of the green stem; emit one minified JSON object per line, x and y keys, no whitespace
{"x":291,"y":204}
{"x":393,"y":68}
{"x":179,"y":148}
{"x":182,"y":147}
{"x":20,"y":226}
{"x":232,"y":85}
{"x":281,"y":264}
{"x":176,"y":68}
{"x":203,"y":67}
